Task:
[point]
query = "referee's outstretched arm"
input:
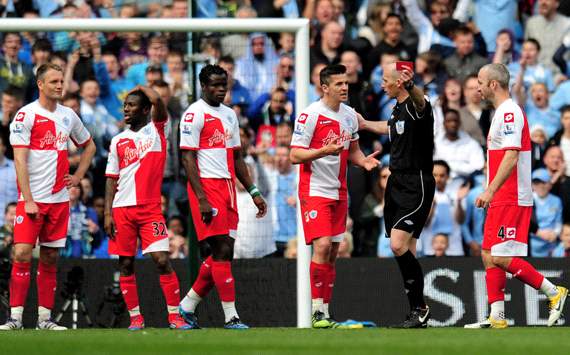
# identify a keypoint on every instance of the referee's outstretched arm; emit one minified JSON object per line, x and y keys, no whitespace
{"x":378,"y":127}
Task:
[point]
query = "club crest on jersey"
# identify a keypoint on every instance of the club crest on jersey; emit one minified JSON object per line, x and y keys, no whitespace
{"x":20,"y":117}
{"x":303,"y":118}
{"x":400,"y":125}
{"x":146,"y":131}
{"x":189,"y":117}
{"x":19,"y":219}
{"x":66,"y":121}
{"x":51,"y":140}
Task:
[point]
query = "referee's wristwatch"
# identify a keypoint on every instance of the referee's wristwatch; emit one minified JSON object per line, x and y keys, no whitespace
{"x":409,"y":85}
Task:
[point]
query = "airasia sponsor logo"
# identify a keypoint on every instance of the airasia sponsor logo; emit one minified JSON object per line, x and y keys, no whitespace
{"x":130,"y":154}
{"x":51,"y":140}
{"x":332,"y":137}
{"x":218,"y":137}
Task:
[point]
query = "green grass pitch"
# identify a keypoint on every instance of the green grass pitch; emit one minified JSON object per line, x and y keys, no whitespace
{"x":516,"y":341}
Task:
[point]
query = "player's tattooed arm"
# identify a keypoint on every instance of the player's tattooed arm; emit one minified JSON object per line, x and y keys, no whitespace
{"x":242,"y":173}
{"x":158,"y":112}
{"x":189,"y":162}
{"x":110,"y":190}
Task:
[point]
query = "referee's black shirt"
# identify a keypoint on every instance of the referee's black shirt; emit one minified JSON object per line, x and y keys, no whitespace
{"x":411,"y":137}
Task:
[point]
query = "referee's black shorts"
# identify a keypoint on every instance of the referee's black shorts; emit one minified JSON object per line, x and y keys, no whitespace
{"x":408,"y":199}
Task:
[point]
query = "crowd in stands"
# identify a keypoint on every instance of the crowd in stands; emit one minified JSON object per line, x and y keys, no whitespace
{"x":449,"y":41}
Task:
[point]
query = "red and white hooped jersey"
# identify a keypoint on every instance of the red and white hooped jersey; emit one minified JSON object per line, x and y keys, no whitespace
{"x":316,"y":127}
{"x":137,"y":159}
{"x":509,"y":130}
{"x":214,"y":133}
{"x":46,"y":135}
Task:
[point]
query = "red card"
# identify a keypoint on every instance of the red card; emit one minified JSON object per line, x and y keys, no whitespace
{"x":401,"y":65}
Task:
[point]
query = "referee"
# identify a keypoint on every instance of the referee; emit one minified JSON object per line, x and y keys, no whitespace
{"x":411,"y":186}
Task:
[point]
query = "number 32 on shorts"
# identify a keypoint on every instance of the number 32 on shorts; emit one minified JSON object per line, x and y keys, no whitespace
{"x":159,"y":229}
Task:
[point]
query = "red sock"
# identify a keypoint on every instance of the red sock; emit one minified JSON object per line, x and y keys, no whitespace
{"x":496,"y":278}
{"x":225,"y":284}
{"x":129,"y":289}
{"x":329,"y":284}
{"x":170,"y":289}
{"x":319,"y":273}
{"x":204,"y":282}
{"x":525,"y":272}
{"x":19,"y":284}
{"x":46,"y":281}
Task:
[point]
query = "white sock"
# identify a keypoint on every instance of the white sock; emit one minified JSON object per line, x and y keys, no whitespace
{"x":190,"y":301}
{"x":135,"y":312}
{"x":317,"y":305}
{"x":172,"y":309}
{"x":498,"y":310}
{"x":229,"y":310}
{"x":43,"y":314}
{"x":326,"y":310}
{"x":548,"y":288}
{"x":16,"y":313}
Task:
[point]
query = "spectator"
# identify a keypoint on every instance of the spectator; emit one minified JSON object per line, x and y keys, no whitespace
{"x":537,"y":108}
{"x":177,"y":77}
{"x":430,"y":74}
{"x":177,"y":241}
{"x":549,"y":28}
{"x":562,"y":250}
{"x":472,"y":226}
{"x":392,"y":28}
{"x":505,"y":52}
{"x":561,"y":96}
{"x":7,"y":230}
{"x":83,"y":225}
{"x":531,"y":70}
{"x":133,"y":50}
{"x":286,"y":44}
{"x":256,"y":70}
{"x":96,"y":118}
{"x":556,"y":167}
{"x":157,"y":51}
{"x":427,"y":28}
{"x":285,"y":200}
{"x":474,"y":118}
{"x":41,"y":52}
{"x":235,"y":45}
{"x":329,"y":48}
{"x":12,"y":70}
{"x":283,"y":134}
{"x":452,"y":98}
{"x":315,"y":91}
{"x":461,"y":152}
{"x":490,"y":16}
{"x":118,"y":85}
{"x":538,"y":143}
{"x":561,"y":57}
{"x":548,"y":211}
{"x":562,"y":137}
{"x":465,"y":61}
{"x":357,"y":85}
{"x":239,"y":94}
{"x":286,"y":73}
{"x":346,"y":246}
{"x":9,"y":190}
{"x":12,"y":101}
{"x":178,"y":41}
{"x":440,"y":244}
{"x":446,"y":215}
{"x":269,"y":110}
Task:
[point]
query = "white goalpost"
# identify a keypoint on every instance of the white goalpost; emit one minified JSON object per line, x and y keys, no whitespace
{"x":300,"y":27}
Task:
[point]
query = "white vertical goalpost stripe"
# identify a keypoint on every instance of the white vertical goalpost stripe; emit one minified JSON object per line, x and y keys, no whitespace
{"x":299,"y":26}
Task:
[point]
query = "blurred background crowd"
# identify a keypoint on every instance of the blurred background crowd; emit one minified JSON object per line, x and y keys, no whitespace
{"x":449,"y":40}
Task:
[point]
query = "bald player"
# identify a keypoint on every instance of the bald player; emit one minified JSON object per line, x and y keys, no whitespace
{"x":411,"y":186}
